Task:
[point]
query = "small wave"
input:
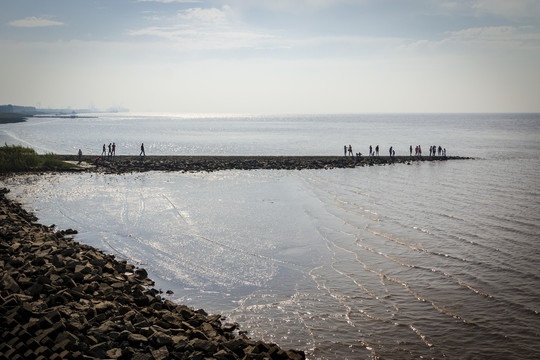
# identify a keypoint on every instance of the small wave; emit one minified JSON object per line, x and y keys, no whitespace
{"x":412,"y":246}
{"x":422,"y":336}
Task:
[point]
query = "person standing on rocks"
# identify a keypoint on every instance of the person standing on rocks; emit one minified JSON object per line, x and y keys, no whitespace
{"x":377,"y":150}
{"x":345,"y":150}
{"x":110,"y":150}
{"x":350,"y":150}
{"x":390,"y":151}
{"x":410,"y":150}
{"x":104,"y":152}
{"x":80,"y":157}
{"x":142,"y":150}
{"x":113,"y":149}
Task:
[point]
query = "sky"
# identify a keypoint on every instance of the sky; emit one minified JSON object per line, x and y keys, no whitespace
{"x":272,"y":57}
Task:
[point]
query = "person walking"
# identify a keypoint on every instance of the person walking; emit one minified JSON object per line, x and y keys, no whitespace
{"x":142,"y":150}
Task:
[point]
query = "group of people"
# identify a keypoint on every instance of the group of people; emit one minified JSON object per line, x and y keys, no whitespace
{"x":433,"y":151}
{"x":439,"y":151}
{"x":112,"y":150}
{"x":111,"y":153}
{"x":372,"y":152}
{"x":349,"y":151}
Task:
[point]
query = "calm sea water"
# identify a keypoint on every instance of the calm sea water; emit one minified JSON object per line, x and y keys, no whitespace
{"x":432,"y":260}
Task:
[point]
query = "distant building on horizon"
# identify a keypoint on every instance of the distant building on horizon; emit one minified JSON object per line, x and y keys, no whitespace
{"x":31,"y":110}
{"x":17,"y":109}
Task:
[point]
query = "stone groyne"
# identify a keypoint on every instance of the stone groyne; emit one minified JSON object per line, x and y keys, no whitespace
{"x":123,"y":163}
{"x":60,"y":299}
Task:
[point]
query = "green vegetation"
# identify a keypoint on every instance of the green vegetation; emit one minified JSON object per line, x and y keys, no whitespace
{"x":6,"y":118}
{"x":18,"y":158}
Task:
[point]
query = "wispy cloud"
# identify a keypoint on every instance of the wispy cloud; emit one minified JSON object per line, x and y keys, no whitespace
{"x":34,"y":21}
{"x":205,"y":29}
{"x":508,"y":9}
{"x":496,"y":35}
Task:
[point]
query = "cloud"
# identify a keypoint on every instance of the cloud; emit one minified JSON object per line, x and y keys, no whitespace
{"x":204,"y":17}
{"x":496,"y":34}
{"x":509,"y":9}
{"x":33,"y":21}
{"x":205,"y":29}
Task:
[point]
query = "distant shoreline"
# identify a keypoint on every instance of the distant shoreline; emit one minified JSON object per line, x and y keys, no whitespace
{"x":8,"y":118}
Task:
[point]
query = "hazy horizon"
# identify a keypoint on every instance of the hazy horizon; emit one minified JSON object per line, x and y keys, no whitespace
{"x":272,"y":57}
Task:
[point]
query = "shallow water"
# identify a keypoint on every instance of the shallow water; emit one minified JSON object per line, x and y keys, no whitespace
{"x":479,"y":135}
{"x":431,"y":260}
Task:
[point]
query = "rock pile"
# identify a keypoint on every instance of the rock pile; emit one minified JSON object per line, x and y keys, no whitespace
{"x":63,"y":300}
{"x":123,"y":164}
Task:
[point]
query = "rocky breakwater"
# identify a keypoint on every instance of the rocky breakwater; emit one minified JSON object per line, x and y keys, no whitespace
{"x":123,"y":164}
{"x":60,"y":299}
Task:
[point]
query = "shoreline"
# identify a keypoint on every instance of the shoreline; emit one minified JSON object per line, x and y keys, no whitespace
{"x":60,"y":299}
{"x":63,"y":299}
{"x":10,"y":118}
{"x":194,"y":163}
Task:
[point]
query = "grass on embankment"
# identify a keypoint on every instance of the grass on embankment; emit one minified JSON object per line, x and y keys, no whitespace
{"x":6,"y":118}
{"x":19,"y":158}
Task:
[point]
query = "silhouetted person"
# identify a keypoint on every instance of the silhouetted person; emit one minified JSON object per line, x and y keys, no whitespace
{"x":142,"y":150}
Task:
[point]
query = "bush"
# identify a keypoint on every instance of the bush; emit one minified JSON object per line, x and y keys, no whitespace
{"x":18,"y":158}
